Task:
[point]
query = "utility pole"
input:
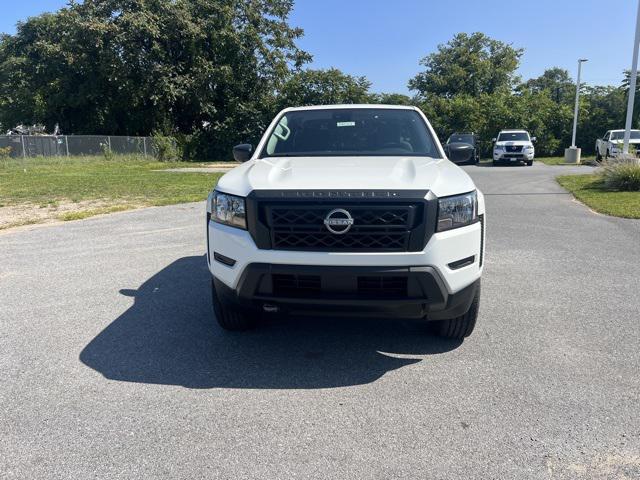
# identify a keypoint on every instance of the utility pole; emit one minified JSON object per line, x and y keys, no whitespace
{"x":632,"y":86}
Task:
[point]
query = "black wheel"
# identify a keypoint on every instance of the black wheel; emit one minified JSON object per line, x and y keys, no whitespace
{"x":228,"y":317}
{"x":598,"y":156}
{"x":606,"y":155}
{"x":529,"y":163}
{"x":462,"y":326}
{"x":494,"y":163}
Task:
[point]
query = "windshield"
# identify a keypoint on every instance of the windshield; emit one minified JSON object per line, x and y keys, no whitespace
{"x":461,"y":139}
{"x":350,"y":131}
{"x":635,"y":135}
{"x":513,"y":137}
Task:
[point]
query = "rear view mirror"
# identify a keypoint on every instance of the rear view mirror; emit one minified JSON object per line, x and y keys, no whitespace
{"x":242,"y":152}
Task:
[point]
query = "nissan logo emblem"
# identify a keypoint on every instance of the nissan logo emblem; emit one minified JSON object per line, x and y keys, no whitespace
{"x":338,"y":221}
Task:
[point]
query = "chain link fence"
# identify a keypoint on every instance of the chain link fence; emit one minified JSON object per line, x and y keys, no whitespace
{"x":72,"y":145}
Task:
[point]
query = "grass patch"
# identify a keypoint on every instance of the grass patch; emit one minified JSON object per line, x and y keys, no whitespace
{"x":590,"y":190}
{"x":117,"y":183}
{"x":80,"y":214}
{"x":560,"y":160}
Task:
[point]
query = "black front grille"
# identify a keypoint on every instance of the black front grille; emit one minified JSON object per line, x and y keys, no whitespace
{"x":365,"y":286}
{"x":382,"y":286}
{"x":296,"y":285}
{"x":375,"y":227}
{"x":514,"y":148}
{"x":383,"y":220}
{"x":461,"y":154}
{"x":481,"y":218}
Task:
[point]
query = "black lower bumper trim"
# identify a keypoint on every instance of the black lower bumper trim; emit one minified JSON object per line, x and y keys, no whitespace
{"x":405,"y":292}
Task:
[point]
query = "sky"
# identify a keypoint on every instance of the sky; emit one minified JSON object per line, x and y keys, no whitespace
{"x":384,"y":40}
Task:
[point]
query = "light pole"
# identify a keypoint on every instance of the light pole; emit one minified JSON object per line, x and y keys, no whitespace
{"x":575,"y":110}
{"x":572,"y":155}
{"x":632,"y":86}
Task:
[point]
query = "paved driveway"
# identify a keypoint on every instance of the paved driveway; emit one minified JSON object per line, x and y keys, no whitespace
{"x":111,"y":365}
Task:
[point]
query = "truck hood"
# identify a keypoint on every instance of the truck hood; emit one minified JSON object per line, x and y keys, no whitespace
{"x":458,"y":146}
{"x":520,"y":143}
{"x":440,"y":176}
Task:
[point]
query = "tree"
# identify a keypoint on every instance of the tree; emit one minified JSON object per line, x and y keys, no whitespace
{"x":626,"y":82}
{"x":322,"y":87}
{"x":206,"y":68}
{"x":601,"y":109}
{"x":556,"y":81}
{"x":391,"y":99}
{"x":468,"y":64}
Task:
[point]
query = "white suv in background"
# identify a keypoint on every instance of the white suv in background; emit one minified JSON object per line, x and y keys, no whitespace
{"x":513,"y":146}
{"x":348,"y":210}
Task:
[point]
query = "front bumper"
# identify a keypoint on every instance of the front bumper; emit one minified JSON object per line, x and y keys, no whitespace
{"x":402,"y":292}
{"x":442,"y":250}
{"x":503,"y":156}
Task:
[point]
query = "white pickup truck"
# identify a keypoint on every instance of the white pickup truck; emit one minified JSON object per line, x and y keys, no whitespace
{"x":350,"y":210}
{"x":610,"y":145}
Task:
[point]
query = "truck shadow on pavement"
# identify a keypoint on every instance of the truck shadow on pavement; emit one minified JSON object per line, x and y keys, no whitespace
{"x":170,"y":337}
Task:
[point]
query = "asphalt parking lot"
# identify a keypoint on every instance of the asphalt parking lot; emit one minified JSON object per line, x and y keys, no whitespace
{"x":111,"y":365}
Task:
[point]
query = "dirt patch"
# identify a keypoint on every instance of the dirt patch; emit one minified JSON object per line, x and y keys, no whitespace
{"x":618,"y":466}
{"x":30,"y":213}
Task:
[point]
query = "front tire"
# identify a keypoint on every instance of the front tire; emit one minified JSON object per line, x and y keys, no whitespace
{"x":598,"y":156}
{"x":529,"y":163}
{"x":462,"y":326}
{"x":228,"y":316}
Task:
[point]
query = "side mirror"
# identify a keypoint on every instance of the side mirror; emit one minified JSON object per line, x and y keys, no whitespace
{"x":494,"y":140}
{"x":533,"y":139}
{"x":242,"y":152}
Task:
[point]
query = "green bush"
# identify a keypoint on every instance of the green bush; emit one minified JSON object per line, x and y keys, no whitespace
{"x":166,"y":149}
{"x":5,"y":152}
{"x":622,"y":176}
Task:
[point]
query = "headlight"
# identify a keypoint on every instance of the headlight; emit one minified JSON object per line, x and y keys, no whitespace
{"x":529,"y":147}
{"x":499,"y":147}
{"x":458,"y":211}
{"x":228,"y":209}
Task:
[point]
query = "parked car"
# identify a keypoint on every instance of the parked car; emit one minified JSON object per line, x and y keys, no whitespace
{"x":610,"y":145}
{"x":462,"y":148}
{"x":513,"y":146}
{"x":349,"y":210}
